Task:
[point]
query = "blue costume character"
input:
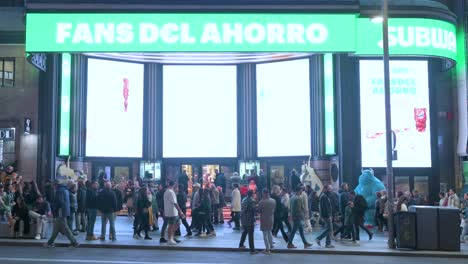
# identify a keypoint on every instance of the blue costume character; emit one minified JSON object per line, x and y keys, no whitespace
{"x":368,"y":186}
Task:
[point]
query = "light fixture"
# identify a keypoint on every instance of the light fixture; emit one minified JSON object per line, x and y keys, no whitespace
{"x":377,"y":19}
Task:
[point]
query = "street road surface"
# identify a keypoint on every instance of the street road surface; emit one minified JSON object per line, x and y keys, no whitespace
{"x":38,"y":255}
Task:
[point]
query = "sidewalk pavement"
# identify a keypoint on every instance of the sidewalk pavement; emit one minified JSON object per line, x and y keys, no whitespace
{"x":228,"y":240}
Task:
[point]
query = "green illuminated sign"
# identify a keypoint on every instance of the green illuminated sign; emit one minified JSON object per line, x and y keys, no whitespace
{"x":408,"y":36}
{"x":236,"y":32}
{"x":190,"y":32}
{"x":64,"y":148}
{"x":329,"y":104}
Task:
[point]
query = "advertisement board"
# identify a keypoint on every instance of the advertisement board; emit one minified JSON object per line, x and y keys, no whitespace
{"x":409,"y":90}
{"x":114,"y":114}
{"x":283,"y":109}
{"x":199,"y":111}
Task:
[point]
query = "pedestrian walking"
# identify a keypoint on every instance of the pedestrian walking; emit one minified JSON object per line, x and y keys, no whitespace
{"x":266,"y":208}
{"x":143,"y":204}
{"x":248,"y":221}
{"x":297,"y":217}
{"x":172,"y":212}
{"x":235,"y":207}
{"x":61,"y":210}
{"x":326,"y":213}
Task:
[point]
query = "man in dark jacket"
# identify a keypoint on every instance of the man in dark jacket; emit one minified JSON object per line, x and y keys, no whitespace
{"x":294,"y":180}
{"x":360,"y":207}
{"x":91,"y":207}
{"x":160,"y":201}
{"x":183,"y":180}
{"x":107,"y":205}
{"x":220,"y":180}
{"x":297,"y":216}
{"x":118,"y":196}
{"x":182,"y":202}
{"x":61,"y":210}
{"x":81,"y":212}
{"x":248,"y":221}
{"x":344,"y":198}
{"x":326,"y":213}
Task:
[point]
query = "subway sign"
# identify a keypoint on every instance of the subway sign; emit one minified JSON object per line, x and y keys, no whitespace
{"x":236,"y":32}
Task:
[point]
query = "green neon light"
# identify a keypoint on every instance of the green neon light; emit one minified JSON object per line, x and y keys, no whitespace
{"x":408,"y":36}
{"x":64,"y":137}
{"x":236,"y":32}
{"x":190,"y":32}
{"x":329,"y":104}
{"x":461,"y":58}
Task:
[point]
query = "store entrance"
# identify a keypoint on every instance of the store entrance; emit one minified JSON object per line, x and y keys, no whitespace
{"x":201,"y":173}
{"x":119,"y":173}
{"x":280,"y":171}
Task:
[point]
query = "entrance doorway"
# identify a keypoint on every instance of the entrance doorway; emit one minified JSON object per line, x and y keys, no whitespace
{"x":201,"y":173}
{"x":119,"y":173}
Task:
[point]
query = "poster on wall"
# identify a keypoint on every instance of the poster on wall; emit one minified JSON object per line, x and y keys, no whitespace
{"x":114,"y":116}
{"x":409,"y":109}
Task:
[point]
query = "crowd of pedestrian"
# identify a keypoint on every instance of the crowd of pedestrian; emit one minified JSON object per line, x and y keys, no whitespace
{"x":74,"y":207}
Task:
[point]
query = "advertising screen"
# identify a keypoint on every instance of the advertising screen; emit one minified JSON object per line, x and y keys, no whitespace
{"x":114,"y":117}
{"x":409,"y":90}
{"x":283,"y":109}
{"x":199,"y":111}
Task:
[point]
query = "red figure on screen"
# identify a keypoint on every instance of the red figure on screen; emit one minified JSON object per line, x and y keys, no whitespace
{"x":420,"y":117}
{"x":125,"y":93}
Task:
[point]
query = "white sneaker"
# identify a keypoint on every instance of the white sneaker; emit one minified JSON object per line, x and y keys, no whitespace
{"x":37,"y":237}
{"x":171,"y":243}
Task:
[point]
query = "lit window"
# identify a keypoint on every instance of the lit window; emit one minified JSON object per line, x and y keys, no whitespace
{"x":7,"y":72}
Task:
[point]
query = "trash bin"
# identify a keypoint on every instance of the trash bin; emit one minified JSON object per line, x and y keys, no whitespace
{"x":449,"y":229}
{"x":427,"y":237}
{"x":405,"y":229}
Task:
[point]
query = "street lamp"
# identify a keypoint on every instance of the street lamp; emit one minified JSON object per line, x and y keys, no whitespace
{"x":388,"y":124}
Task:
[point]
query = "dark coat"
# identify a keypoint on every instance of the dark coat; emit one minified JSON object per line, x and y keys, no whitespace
{"x":107,"y":203}
{"x":220,"y":180}
{"x":119,"y":198}
{"x":81,"y":198}
{"x":61,"y":202}
{"x":295,"y":181}
{"x":91,"y":199}
{"x":248,"y":212}
{"x":182,"y":200}
{"x":325,"y":205}
{"x":344,"y":199}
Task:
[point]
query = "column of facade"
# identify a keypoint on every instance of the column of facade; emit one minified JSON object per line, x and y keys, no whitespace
{"x":152,"y":105}
{"x":317,"y":106}
{"x":246,"y":111}
{"x":49,"y":83}
{"x":78,"y":108}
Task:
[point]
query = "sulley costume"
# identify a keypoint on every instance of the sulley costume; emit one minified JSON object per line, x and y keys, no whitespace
{"x":368,"y":186}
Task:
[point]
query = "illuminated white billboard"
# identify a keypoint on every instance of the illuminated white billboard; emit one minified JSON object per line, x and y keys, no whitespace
{"x":199,"y":111}
{"x":114,"y":115}
{"x":409,"y":109}
{"x":283,"y":109}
